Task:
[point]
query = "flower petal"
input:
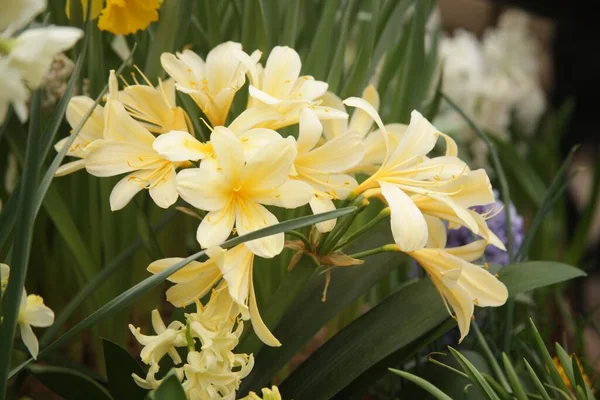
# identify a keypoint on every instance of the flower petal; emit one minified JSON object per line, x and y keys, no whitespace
{"x":320,"y":205}
{"x":309,"y":131}
{"x":281,"y":71}
{"x":187,"y":273}
{"x":270,"y":168}
{"x":469,"y":252}
{"x":215,"y":227}
{"x":409,"y":227}
{"x":437,"y":232}
{"x":181,"y":146}
{"x":338,"y":155}
{"x":126,"y":188}
{"x":115,"y":158}
{"x":182,"y":294}
{"x":229,"y":153}
{"x":361,"y":122}
{"x":70,"y":167}
{"x":254,"y":140}
{"x":204,"y":188}
{"x":260,"y":329}
{"x":236,"y":270}
{"x":164,"y":192}
{"x":292,"y":194}
{"x":485,"y":289}
{"x":251,"y":216}
{"x":29,"y":339}
{"x":419,"y":139}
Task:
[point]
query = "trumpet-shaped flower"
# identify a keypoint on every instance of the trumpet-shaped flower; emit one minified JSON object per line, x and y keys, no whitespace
{"x":235,"y":268}
{"x":234,"y":191}
{"x":461,"y":284}
{"x":322,"y":167}
{"x":89,"y":137}
{"x":33,"y":312}
{"x":155,"y":107}
{"x":123,"y":17}
{"x":212,"y":84}
{"x":127,"y":147}
{"x":279,"y":90}
{"x":164,"y":342}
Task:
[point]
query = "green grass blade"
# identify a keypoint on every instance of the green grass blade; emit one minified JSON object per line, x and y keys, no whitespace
{"x":474,"y":376}
{"x":318,"y":60}
{"x":423,"y":384}
{"x":23,"y":237}
{"x":566,"y":363}
{"x":547,"y":359}
{"x":581,"y":383}
{"x":536,"y":381}
{"x":490,"y":357}
{"x":292,"y":17}
{"x":515,"y":383}
{"x":164,"y":40}
{"x":8,"y":216}
{"x":337,"y":66}
{"x":145,"y":286}
{"x":270,"y":15}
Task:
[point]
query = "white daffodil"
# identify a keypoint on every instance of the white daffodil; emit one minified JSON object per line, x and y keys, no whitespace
{"x":155,"y":107}
{"x":461,"y":284}
{"x":279,"y":90}
{"x":322,"y":167}
{"x":12,"y":91}
{"x":89,"y":137}
{"x":234,"y":191}
{"x":127,"y":147}
{"x":212,"y":84}
{"x":235,"y":267}
{"x":33,"y":312}
{"x":164,"y":342}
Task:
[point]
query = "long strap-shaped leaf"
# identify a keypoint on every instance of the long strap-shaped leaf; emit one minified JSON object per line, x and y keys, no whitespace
{"x":127,"y":297}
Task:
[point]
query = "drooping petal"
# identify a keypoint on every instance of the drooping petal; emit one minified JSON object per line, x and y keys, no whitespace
{"x":309,"y":131}
{"x":333,"y":127}
{"x":215,"y":227}
{"x":181,"y":146}
{"x":437,"y":232}
{"x":485,"y":289}
{"x":463,"y":307}
{"x":126,"y":188}
{"x":70,"y":167}
{"x":251,"y":216}
{"x":409,"y":227}
{"x":365,"y":106}
{"x":164,"y":192}
{"x":204,"y":188}
{"x":187,"y":273}
{"x":260,"y":329}
{"x":319,"y":205}
{"x":361,"y":122}
{"x":236,"y":270}
{"x":29,"y":339}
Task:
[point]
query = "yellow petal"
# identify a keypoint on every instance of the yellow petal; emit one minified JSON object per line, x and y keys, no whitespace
{"x":437,"y":232}
{"x":236,"y":270}
{"x":333,"y":127}
{"x":256,"y":139}
{"x":181,"y":146}
{"x":70,"y":167}
{"x":29,"y":339}
{"x":469,"y":252}
{"x":309,"y":131}
{"x":337,"y":155}
{"x":185,"y":293}
{"x":372,"y":112}
{"x":204,"y":188}
{"x":361,"y":122}
{"x":164,"y":190}
{"x":485,"y":289}
{"x":229,"y":153}
{"x":215,"y":227}
{"x":292,"y":194}
{"x":115,"y":158}
{"x":269,"y":169}
{"x":419,"y":140}
{"x":126,"y":189}
{"x":281,"y":71}
{"x":320,"y":205}
{"x":409,"y":227}
{"x":252,"y":216}
{"x":187,"y":273}
{"x":261,"y":330}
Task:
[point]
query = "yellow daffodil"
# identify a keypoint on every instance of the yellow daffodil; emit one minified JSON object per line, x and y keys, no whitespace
{"x":461,"y":284}
{"x":322,"y":167}
{"x":124,"y":17}
{"x":278,"y":88}
{"x":234,"y":267}
{"x":33,"y":312}
{"x":267,"y":394}
{"x":155,"y":107}
{"x":362,"y":123}
{"x":127,"y":147}
{"x":234,"y":191}
{"x":211,"y":83}
{"x":164,"y":342}
{"x":89,"y":137}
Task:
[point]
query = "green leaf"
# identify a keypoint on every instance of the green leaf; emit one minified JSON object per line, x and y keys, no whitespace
{"x":270,"y":15}
{"x":292,"y":16}
{"x":170,"y":389}
{"x":580,"y":381}
{"x":23,"y":237}
{"x":547,"y":359}
{"x":69,"y":383}
{"x":536,"y":381}
{"x":523,"y":277}
{"x":515,"y":383}
{"x":490,"y":357}
{"x":434,"y":391}
{"x":399,"y":320}
{"x":145,"y":286}
{"x":337,"y":65}
{"x":120,"y":365}
{"x":164,"y":40}
{"x":566,"y":363}
{"x":474,"y":376}
{"x":317,"y":61}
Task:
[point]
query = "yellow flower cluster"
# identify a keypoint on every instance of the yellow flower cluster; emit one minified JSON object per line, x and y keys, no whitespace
{"x":247,"y":166}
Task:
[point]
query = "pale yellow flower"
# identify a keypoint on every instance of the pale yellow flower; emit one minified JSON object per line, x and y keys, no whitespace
{"x":461,"y":284}
{"x":235,"y":268}
{"x":280,"y":91}
{"x":128,"y":147}
{"x":211,"y":83}
{"x":89,"y":137}
{"x":164,"y":342}
{"x":322,"y":167}
{"x":33,"y":312}
{"x":267,"y":394}
{"x":124,"y":17}
{"x":234,"y":191}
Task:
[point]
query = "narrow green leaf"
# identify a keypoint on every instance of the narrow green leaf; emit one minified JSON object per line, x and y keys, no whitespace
{"x":8,"y":216}
{"x":392,"y":21}
{"x":337,"y":66}
{"x":422,"y":383}
{"x":474,"y":376}
{"x":515,"y":383}
{"x":164,"y":39}
{"x":500,"y":391}
{"x":536,"y":381}
{"x":270,"y":15}
{"x":581,"y":382}
{"x":523,"y":277}
{"x":547,"y":359}
{"x":145,"y":286}
{"x":317,"y":61}
{"x":490,"y":357}
{"x":292,"y":16}
{"x":170,"y":389}
{"x":392,"y":64}
{"x":23,"y":236}
{"x":70,"y":384}
{"x":566,"y":363}
{"x":120,"y":365}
